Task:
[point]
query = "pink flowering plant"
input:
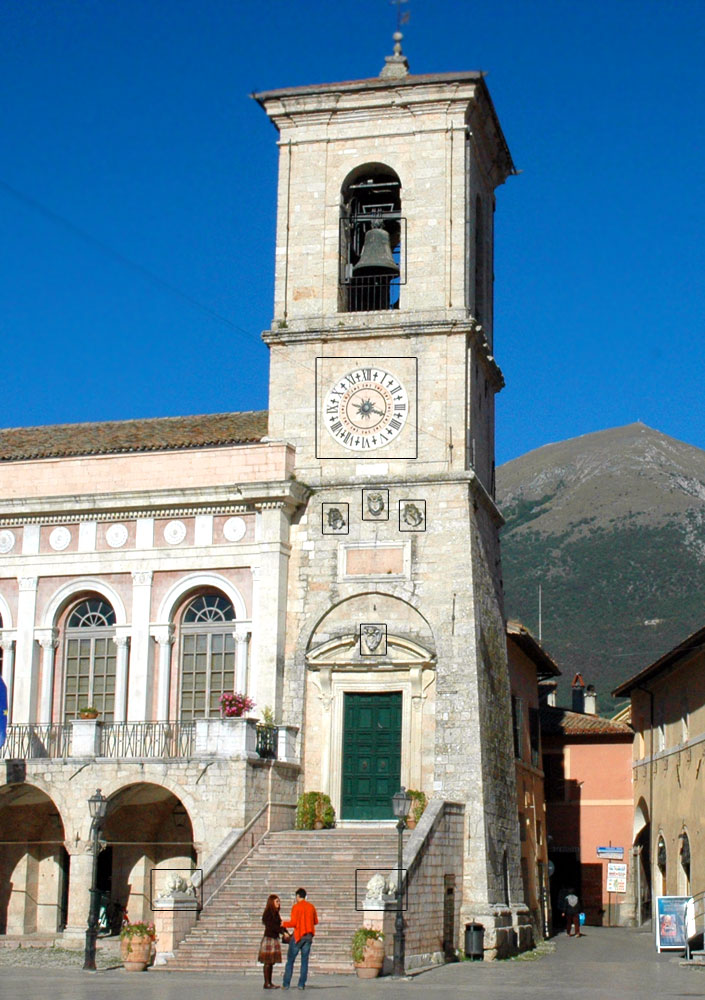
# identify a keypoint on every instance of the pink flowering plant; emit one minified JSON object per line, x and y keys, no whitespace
{"x":233,"y":705}
{"x":139,"y":929}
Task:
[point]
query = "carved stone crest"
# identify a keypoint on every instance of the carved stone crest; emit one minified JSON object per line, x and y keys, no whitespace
{"x":412,"y":515}
{"x":375,"y":505}
{"x":373,"y":640}
{"x":334,"y":518}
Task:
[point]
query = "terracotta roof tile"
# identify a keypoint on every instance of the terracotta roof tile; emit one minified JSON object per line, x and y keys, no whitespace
{"x":115,"y":436}
{"x":562,"y":722}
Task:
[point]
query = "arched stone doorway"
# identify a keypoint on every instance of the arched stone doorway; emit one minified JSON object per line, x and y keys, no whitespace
{"x":147,"y":828}
{"x":642,"y":861}
{"x":34,"y":863}
{"x":370,"y":697}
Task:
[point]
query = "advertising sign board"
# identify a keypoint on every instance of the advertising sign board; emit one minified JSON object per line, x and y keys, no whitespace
{"x":616,"y":877}
{"x":670,"y":922}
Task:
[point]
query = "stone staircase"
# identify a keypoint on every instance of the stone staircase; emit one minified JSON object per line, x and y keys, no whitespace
{"x":229,"y":930}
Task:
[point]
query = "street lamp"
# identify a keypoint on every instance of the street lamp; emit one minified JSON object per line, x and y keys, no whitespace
{"x":97,"y":806}
{"x":401,"y":803}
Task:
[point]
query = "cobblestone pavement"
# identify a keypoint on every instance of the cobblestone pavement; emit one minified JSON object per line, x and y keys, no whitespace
{"x":606,"y":964}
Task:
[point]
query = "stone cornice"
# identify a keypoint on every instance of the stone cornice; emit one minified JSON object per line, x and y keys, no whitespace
{"x":481,"y":496}
{"x":244,"y":498}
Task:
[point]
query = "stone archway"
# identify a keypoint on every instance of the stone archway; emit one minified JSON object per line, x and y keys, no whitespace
{"x":147,"y":833}
{"x":641,"y":841}
{"x":369,"y":648}
{"x":34,"y":863}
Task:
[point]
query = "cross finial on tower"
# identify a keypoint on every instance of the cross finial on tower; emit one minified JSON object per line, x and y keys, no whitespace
{"x":397,"y":65}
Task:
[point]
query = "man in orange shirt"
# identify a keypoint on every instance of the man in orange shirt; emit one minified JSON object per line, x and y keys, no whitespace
{"x":303,"y":919}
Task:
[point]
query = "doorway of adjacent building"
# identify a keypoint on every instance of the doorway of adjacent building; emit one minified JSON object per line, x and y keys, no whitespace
{"x":371,"y":754}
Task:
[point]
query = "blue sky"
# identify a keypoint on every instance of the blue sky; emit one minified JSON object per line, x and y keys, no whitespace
{"x":130,"y":122}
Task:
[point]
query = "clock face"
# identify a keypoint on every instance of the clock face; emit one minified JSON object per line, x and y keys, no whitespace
{"x":366,"y":409}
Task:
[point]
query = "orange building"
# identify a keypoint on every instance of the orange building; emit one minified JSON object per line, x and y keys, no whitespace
{"x":528,"y":664}
{"x":587,"y":761}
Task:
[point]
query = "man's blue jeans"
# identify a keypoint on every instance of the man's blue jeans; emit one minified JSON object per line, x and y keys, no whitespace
{"x":303,"y":946}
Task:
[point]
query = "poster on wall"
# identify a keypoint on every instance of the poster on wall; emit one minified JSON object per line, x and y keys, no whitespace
{"x":670,"y":922}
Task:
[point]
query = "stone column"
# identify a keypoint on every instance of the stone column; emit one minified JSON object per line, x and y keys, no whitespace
{"x":139,"y":696}
{"x":26,"y":694}
{"x":163,"y":635}
{"x":242,"y":638}
{"x":7,"y":643}
{"x":81,"y":870}
{"x":122,"y":641}
{"x":48,"y":640}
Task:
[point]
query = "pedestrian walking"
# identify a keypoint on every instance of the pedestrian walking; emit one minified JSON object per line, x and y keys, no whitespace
{"x":269,"y":949}
{"x":571,"y":912}
{"x":303,"y":920}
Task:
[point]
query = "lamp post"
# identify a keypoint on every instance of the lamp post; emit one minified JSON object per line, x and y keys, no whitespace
{"x":401,"y":803}
{"x":97,"y":805}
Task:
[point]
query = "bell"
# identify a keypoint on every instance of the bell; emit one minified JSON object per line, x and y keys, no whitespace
{"x":376,"y":257}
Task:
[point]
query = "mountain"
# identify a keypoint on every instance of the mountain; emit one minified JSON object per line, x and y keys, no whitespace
{"x":611,"y":525}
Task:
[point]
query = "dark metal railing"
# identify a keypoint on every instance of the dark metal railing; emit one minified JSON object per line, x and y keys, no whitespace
{"x":267,"y":742}
{"x":27,"y":742}
{"x":147,"y":739}
{"x":166,"y":740}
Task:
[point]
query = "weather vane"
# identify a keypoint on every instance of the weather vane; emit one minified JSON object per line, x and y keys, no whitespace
{"x":401,"y":18}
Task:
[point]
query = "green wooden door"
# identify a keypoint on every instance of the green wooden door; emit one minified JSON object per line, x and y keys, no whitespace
{"x":371,"y":755}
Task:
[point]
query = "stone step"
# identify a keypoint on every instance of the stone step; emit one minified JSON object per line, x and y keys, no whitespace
{"x":229,"y":929}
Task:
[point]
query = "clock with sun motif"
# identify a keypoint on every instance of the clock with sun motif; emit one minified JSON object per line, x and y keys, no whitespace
{"x":365,"y":408}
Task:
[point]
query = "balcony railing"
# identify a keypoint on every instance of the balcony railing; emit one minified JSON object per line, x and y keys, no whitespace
{"x":25,"y":742}
{"x":147,"y":739}
{"x":155,"y":740}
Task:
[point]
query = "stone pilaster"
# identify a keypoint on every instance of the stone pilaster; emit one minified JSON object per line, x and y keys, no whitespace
{"x":139,"y":702}
{"x":26,"y":658}
{"x":163,"y":635}
{"x":48,"y":640}
{"x":7,"y":644}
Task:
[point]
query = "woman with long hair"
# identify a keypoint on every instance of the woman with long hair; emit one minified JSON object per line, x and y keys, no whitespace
{"x":270,"y":951}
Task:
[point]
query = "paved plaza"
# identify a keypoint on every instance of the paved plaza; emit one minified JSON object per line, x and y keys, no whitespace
{"x":607,"y":964}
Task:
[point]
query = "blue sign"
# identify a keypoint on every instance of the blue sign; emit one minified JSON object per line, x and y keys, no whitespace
{"x":3,"y":711}
{"x":615,"y":853}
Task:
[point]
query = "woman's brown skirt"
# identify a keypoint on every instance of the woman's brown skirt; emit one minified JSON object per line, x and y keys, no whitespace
{"x":270,"y":951}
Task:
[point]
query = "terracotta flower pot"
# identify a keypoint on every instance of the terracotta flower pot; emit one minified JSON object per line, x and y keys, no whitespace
{"x":318,"y":824}
{"x":411,"y":823}
{"x":372,"y":960}
{"x":135,"y":953}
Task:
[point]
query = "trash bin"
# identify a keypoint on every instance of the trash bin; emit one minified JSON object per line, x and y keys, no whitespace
{"x":475,"y":942}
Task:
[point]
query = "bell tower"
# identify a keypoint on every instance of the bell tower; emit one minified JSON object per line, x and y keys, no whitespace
{"x":382,"y":375}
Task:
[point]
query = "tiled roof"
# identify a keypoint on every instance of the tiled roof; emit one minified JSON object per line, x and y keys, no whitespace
{"x":562,"y":722}
{"x":115,"y":436}
{"x":518,"y":633}
{"x":691,"y":644}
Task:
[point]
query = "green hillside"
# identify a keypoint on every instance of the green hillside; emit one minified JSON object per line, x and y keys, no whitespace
{"x":612,"y":527}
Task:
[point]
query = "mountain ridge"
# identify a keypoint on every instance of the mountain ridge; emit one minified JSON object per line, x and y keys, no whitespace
{"x":611,"y":525}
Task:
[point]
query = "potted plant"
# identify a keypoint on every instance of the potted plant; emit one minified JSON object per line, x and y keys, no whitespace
{"x":136,"y":945}
{"x":89,"y":712}
{"x":314,"y":811}
{"x":368,"y":952}
{"x":233,"y":705}
{"x":418,"y":804}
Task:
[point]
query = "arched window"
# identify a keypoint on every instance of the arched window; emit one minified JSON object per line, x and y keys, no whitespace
{"x":89,"y":659}
{"x":661,"y":863}
{"x":684,"y":874}
{"x":372,"y":257}
{"x":207,"y":655}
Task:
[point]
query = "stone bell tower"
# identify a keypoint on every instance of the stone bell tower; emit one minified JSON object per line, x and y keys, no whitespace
{"x":383,"y":377}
